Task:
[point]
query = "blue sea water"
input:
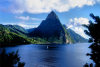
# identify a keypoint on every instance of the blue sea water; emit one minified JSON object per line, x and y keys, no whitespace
{"x":65,"y":55}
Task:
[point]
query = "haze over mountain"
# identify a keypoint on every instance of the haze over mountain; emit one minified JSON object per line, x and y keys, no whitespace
{"x":76,"y":37}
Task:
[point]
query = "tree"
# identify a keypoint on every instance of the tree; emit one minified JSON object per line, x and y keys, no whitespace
{"x":93,"y":29}
{"x":94,"y":32}
{"x":10,"y":59}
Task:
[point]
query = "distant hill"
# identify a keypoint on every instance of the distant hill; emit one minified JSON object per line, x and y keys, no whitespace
{"x":52,"y":30}
{"x":10,"y":38}
{"x":17,"y":29}
{"x":11,"y":35}
{"x":76,"y":37}
{"x":30,"y":30}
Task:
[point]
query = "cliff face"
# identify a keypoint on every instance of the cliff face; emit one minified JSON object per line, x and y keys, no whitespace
{"x":51,"y":29}
{"x":76,"y":37}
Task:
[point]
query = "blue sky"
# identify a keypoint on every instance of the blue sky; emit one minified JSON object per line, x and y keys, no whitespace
{"x":30,"y":13}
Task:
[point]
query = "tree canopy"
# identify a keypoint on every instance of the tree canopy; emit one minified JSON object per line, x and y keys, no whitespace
{"x":94,"y":29}
{"x":94,"y":32}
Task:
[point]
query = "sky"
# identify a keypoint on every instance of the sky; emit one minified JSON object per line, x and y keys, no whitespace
{"x":30,"y":13}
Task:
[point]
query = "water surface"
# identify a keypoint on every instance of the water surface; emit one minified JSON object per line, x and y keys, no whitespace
{"x":72,"y":55}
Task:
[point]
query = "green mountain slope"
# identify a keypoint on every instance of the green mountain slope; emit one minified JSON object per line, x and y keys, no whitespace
{"x":17,"y":29}
{"x":10,"y":38}
{"x":76,"y":37}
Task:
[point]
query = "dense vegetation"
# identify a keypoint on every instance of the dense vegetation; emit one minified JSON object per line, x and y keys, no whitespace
{"x":9,"y":38}
{"x":17,"y":29}
{"x":94,"y":32}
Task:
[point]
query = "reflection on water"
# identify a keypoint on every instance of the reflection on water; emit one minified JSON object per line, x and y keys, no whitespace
{"x":73,"y":55}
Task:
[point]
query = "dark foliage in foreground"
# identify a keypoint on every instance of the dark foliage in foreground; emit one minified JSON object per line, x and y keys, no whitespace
{"x":10,"y":60}
{"x":93,"y":29}
{"x":94,"y":33}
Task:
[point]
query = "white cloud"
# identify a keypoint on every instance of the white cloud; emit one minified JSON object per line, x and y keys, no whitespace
{"x":36,"y":19}
{"x":79,"y":21}
{"x":28,"y":26}
{"x":70,"y":26}
{"x":76,"y":25}
{"x":26,"y":18}
{"x":23,"y":17}
{"x":42,"y":6}
{"x":24,"y":24}
{"x":80,"y":31}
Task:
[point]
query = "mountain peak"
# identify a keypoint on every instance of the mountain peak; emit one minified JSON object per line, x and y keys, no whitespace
{"x":51,"y":29}
{"x":52,"y":15}
{"x":52,"y":12}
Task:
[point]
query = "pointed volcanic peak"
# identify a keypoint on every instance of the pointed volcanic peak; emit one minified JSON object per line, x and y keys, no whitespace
{"x":52,"y":21}
{"x":50,"y":29}
{"x":51,"y":25}
{"x":52,"y":15}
